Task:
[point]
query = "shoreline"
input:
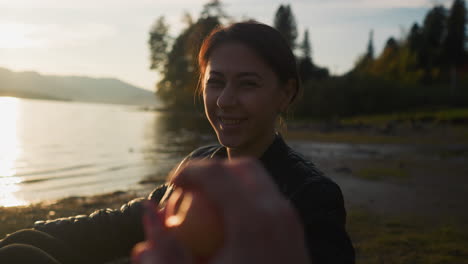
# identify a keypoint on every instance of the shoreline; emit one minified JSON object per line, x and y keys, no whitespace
{"x":376,"y":237}
{"x":401,"y":208}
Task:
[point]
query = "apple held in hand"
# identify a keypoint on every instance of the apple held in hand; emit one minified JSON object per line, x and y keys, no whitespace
{"x":195,"y":222}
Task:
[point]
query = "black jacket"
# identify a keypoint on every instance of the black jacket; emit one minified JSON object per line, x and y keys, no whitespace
{"x":110,"y":234}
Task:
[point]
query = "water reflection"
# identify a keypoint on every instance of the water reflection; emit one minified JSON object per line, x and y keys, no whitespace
{"x":179,"y":133}
{"x":10,"y":151}
{"x":169,"y":137}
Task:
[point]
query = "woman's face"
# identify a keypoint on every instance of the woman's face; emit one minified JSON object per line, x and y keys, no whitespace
{"x":242,"y":97}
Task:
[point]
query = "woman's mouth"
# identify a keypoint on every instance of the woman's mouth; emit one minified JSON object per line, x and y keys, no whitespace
{"x":231,"y":122}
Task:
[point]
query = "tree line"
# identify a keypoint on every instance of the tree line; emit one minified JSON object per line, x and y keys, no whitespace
{"x":427,"y":68}
{"x":429,"y":53}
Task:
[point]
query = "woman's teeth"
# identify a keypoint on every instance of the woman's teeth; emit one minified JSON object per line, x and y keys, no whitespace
{"x":230,"y":121}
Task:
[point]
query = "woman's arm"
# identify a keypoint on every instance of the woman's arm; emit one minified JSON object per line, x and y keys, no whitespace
{"x":105,"y":234}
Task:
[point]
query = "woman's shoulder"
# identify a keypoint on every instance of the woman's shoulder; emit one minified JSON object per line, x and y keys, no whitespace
{"x":303,"y":169}
{"x":315,"y":185}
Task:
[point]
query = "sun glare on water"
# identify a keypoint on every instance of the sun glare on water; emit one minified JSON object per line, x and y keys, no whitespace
{"x":10,"y":150}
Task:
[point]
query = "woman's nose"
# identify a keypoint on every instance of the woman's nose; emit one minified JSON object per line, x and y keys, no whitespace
{"x":227,"y":98}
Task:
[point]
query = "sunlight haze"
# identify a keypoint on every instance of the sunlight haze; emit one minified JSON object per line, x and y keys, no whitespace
{"x":109,"y":38}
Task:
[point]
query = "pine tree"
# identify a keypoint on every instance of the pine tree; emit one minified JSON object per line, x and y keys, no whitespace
{"x":364,"y":63}
{"x":370,"y":46}
{"x":305,"y":46}
{"x":285,"y":23}
{"x":307,"y":69}
{"x":306,"y":66}
{"x":415,"y":38}
{"x":391,"y":44}
{"x":158,"y":43}
{"x":433,"y":36}
{"x":454,"y":44}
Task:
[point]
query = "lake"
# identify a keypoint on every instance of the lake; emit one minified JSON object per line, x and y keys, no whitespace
{"x":52,"y":149}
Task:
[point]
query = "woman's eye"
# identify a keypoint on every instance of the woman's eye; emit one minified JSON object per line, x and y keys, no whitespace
{"x":248,"y":84}
{"x":214,"y":83}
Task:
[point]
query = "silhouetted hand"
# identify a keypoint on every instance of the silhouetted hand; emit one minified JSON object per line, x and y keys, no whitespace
{"x":260,"y":226}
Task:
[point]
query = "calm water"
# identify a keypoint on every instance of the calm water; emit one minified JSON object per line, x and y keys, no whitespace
{"x":51,"y":150}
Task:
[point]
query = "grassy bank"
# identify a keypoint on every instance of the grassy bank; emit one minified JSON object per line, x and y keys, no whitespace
{"x":450,"y":116}
{"x":448,"y":126}
{"x":377,"y":239}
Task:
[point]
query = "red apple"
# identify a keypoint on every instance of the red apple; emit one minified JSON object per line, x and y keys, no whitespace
{"x":195,"y":222}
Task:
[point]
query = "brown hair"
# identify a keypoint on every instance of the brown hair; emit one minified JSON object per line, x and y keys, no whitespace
{"x":265,"y":41}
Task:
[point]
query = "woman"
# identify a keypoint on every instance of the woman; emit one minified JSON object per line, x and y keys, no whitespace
{"x":248,"y":79}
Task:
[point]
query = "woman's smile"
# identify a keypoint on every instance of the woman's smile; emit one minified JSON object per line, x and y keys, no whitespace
{"x":231,"y":122}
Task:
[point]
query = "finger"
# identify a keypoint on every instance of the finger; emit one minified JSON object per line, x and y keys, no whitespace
{"x":137,"y":251}
{"x":160,"y":245}
{"x":143,"y":253}
{"x":152,"y":222}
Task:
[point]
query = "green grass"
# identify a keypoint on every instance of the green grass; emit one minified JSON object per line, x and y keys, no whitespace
{"x":381,"y":173}
{"x":345,"y":137}
{"x":447,"y":115}
{"x":374,"y":126}
{"x":403,"y":240}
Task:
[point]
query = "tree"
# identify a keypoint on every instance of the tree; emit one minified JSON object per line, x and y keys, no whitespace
{"x":432,"y":35}
{"x":370,"y":46}
{"x":305,"y":46}
{"x":214,"y":8}
{"x":306,"y":66}
{"x":454,"y":44}
{"x":187,"y":19}
{"x":391,"y":45}
{"x":434,"y":26}
{"x":364,"y":63}
{"x":307,"y":69}
{"x":415,"y":38}
{"x":180,"y":72}
{"x":285,"y":23}
{"x":158,"y":43}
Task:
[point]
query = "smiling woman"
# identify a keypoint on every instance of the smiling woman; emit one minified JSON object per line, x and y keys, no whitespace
{"x":248,"y":77}
{"x":274,"y":204}
{"x":10,"y":150}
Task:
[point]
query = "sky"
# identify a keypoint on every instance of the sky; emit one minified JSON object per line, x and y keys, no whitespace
{"x":108,"y":38}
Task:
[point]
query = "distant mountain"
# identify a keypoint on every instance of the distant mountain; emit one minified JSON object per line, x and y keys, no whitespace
{"x":73,"y":88}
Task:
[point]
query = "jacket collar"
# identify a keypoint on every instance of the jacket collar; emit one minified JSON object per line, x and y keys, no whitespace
{"x":269,"y":157}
